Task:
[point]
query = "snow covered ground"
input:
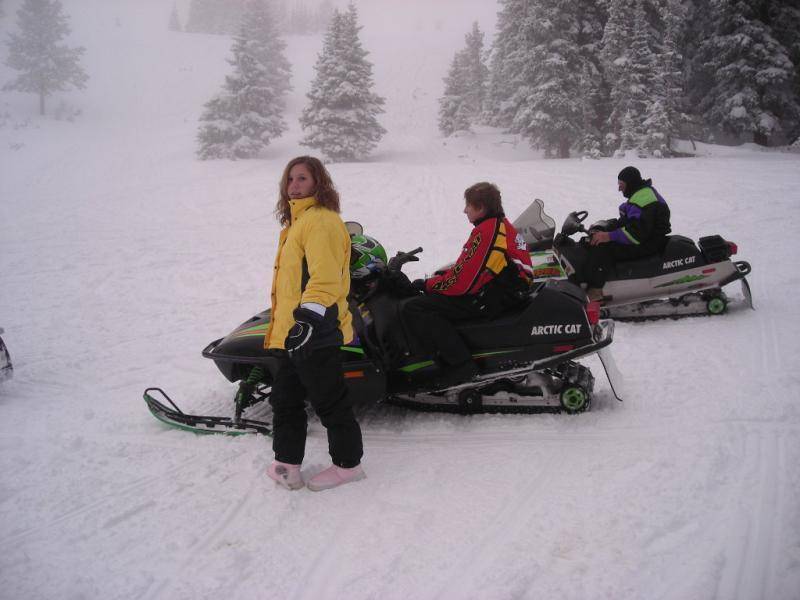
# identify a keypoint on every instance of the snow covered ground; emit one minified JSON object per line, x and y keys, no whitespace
{"x":121,"y":257}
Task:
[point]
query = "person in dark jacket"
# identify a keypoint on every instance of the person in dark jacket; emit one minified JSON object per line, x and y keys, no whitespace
{"x":492,"y":274}
{"x":641,"y":230}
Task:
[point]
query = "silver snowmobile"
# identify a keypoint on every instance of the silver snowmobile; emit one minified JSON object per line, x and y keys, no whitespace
{"x":684,"y":279}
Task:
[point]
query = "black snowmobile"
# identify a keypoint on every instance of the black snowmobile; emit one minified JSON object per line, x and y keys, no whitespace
{"x":684,"y":279}
{"x":526,"y":358}
{"x":6,"y":369}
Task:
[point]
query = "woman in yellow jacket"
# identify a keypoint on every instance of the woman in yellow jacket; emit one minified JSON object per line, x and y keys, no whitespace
{"x":310,"y":320}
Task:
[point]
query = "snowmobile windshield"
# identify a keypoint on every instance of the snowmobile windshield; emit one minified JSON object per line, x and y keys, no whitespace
{"x":535,"y":225}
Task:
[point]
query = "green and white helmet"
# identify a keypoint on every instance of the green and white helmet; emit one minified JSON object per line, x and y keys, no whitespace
{"x":367,"y":258}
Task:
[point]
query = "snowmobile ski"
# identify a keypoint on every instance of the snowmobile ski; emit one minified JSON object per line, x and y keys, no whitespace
{"x":175,"y":417}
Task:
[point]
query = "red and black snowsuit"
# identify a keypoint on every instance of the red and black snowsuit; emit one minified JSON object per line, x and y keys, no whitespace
{"x":492,"y":274}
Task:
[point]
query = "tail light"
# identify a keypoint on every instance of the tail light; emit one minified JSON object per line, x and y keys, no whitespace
{"x":732,"y":247}
{"x":593,"y":312}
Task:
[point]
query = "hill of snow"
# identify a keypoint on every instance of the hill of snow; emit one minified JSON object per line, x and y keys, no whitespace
{"x":122,"y":256}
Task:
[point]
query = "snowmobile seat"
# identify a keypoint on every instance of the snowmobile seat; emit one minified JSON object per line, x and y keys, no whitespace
{"x":677,"y":247}
{"x":550,"y":302}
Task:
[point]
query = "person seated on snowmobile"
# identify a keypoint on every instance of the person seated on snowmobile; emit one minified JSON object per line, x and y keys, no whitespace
{"x":492,"y":274}
{"x":641,"y":230}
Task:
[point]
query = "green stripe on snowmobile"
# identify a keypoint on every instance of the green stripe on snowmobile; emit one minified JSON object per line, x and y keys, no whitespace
{"x":416,"y":366}
{"x":427,"y":363}
{"x":254,"y":331}
{"x":483,"y":354}
{"x":352,"y":349}
{"x":687,"y":279}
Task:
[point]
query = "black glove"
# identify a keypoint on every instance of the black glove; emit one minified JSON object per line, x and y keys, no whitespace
{"x":418,"y":284}
{"x":305,"y":323}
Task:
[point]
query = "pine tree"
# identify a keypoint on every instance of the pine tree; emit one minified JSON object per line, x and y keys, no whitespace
{"x":590,"y":17}
{"x":174,"y":20}
{"x":340,"y":119}
{"x":241,"y":121}
{"x":665,"y":112}
{"x":551,"y":114}
{"x":753,"y":79}
{"x":629,"y":67}
{"x":46,"y":65}
{"x":784,"y":18}
{"x":508,"y":63}
{"x":465,"y":86}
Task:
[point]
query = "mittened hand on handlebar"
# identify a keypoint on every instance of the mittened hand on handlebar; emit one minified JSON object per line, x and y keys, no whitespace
{"x":418,"y":284}
{"x":306,"y":324}
{"x":398,"y":260}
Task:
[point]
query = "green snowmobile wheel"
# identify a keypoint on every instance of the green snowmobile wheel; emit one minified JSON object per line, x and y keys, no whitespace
{"x":716,"y":305}
{"x":574,"y":399}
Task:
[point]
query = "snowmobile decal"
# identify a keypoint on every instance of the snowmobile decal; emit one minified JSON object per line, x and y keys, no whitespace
{"x":545,"y":272}
{"x":253,"y":331}
{"x":558,"y":329}
{"x":678,"y":262}
{"x":681,"y":280}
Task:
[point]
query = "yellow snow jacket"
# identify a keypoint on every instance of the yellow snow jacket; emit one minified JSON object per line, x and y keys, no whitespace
{"x":312,"y":265}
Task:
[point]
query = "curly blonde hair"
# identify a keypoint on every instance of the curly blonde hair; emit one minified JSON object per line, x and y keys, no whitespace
{"x":324,"y":192}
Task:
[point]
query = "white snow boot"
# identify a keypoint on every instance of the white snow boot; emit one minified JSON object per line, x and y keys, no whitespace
{"x":285,"y":475}
{"x":335,"y":476}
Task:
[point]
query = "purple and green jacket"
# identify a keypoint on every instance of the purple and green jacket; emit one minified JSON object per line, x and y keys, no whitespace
{"x":643,"y":220}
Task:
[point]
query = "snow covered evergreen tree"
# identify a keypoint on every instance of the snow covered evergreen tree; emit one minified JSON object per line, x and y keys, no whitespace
{"x":665,"y":111}
{"x":590,"y":18}
{"x":241,"y":121}
{"x":45,"y":64}
{"x":784,"y":19}
{"x":465,"y":86}
{"x":629,"y":69}
{"x":341,"y":118}
{"x":507,"y":63}
{"x":551,"y":112}
{"x":174,"y":20}
{"x":753,"y":91}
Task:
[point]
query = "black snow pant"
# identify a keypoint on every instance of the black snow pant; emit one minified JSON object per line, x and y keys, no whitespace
{"x":600,"y":261}
{"x":316,"y":377}
{"x":430,"y":319}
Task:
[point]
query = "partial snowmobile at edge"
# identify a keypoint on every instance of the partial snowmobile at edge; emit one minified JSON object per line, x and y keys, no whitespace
{"x":684,"y":279}
{"x":526,"y":358}
{"x":6,"y":368}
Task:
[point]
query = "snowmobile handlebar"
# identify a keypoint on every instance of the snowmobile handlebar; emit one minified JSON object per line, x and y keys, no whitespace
{"x":398,"y":260}
{"x":574,"y":222}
